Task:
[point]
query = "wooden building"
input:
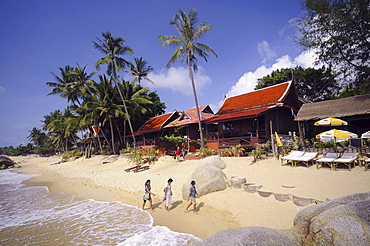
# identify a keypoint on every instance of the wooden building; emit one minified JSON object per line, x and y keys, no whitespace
{"x":252,"y":117}
{"x":184,"y":124}
{"x":355,"y":110}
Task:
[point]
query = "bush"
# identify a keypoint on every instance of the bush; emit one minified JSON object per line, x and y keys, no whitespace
{"x":205,"y":152}
{"x":72,"y":153}
{"x":323,"y":144}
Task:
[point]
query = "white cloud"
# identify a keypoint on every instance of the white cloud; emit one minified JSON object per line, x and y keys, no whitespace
{"x":265,"y":51}
{"x":2,"y":89}
{"x":289,"y":29}
{"x":177,"y":79}
{"x":248,"y":81}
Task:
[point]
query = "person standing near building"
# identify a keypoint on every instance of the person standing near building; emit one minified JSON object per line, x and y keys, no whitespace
{"x":193,"y":194}
{"x":168,"y":194}
{"x":178,"y":153}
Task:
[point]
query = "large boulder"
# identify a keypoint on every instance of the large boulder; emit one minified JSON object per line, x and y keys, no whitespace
{"x":208,"y":177}
{"x":214,"y":161}
{"x":248,"y":236}
{"x":6,"y":161}
{"x":342,"y":221}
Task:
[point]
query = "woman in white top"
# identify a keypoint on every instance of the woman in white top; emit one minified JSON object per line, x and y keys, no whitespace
{"x":168,"y":194}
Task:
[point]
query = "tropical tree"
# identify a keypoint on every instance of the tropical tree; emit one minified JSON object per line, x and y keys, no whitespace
{"x":102,"y":107}
{"x":312,"y":84}
{"x":137,"y":100}
{"x":190,"y":32}
{"x":113,"y":48}
{"x":73,"y":83}
{"x":63,"y":128}
{"x":61,"y":86}
{"x":140,"y":70}
{"x":38,"y":137}
{"x":338,"y":31}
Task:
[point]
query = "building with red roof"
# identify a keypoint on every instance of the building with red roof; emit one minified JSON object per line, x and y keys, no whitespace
{"x":250,"y":118}
{"x":183,"y":124}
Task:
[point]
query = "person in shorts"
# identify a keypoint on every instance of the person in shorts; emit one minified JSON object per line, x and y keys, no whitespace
{"x":192,"y":196}
{"x":148,"y":195}
{"x":168,"y":194}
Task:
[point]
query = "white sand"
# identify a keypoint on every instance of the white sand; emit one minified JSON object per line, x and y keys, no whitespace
{"x":221,"y":210}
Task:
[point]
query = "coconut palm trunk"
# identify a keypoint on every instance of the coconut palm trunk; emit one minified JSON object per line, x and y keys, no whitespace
{"x":191,"y":75}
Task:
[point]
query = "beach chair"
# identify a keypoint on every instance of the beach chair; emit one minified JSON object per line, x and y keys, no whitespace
{"x":347,"y":159}
{"x":294,"y":154}
{"x":328,"y":158}
{"x":305,"y":158}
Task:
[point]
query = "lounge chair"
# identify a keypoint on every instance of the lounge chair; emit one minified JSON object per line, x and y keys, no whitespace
{"x":294,"y":154}
{"x":328,"y":158}
{"x":346,"y":158}
{"x":305,"y":158}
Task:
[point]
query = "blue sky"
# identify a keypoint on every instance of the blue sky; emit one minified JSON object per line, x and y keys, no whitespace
{"x":251,"y":38}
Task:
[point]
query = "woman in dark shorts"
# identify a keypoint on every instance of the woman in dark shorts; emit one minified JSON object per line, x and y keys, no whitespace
{"x":148,"y":195}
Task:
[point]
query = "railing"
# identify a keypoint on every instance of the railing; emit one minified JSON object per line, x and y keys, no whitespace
{"x":150,"y":142}
{"x":147,"y":142}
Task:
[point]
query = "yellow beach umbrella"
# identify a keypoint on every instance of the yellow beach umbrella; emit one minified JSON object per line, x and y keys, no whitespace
{"x":278,"y":140}
{"x":335,"y":135}
{"x":331,"y":122}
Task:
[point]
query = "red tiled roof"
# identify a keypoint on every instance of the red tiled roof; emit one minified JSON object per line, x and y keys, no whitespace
{"x":156,"y":122}
{"x":251,"y":112}
{"x":190,"y":116}
{"x":263,"y":97}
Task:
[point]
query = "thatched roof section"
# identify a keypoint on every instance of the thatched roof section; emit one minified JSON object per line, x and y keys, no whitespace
{"x":350,"y":106}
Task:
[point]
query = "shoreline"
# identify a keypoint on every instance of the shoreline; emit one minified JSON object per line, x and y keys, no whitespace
{"x":227,"y":209}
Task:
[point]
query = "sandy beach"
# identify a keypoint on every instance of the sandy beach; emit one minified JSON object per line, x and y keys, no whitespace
{"x":227,"y":209}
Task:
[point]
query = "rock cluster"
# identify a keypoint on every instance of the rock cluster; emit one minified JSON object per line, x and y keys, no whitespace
{"x":342,"y":221}
{"x":6,"y":161}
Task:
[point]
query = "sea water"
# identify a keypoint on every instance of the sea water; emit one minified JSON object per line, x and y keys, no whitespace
{"x":32,"y":215}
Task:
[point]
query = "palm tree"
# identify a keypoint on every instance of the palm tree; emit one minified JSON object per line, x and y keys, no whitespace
{"x":73,"y":83}
{"x":62,"y":128}
{"x":140,"y":70}
{"x":113,"y":47}
{"x":102,"y":107}
{"x":37,"y":137}
{"x":137,"y":100}
{"x":189,"y":32}
{"x":61,"y":86}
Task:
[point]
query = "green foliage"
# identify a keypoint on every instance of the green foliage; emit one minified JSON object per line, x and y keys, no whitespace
{"x":72,"y":153}
{"x":129,"y":149}
{"x":173,"y":138}
{"x":136,"y":155}
{"x":152,"y":153}
{"x":107,"y":151}
{"x":339,"y":33}
{"x":205,"y":152}
{"x":320,"y":144}
{"x":232,"y":151}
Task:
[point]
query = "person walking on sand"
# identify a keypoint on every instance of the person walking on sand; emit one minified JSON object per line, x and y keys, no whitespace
{"x":147,"y":195}
{"x":178,"y":153}
{"x":168,"y":194}
{"x":192,"y":195}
